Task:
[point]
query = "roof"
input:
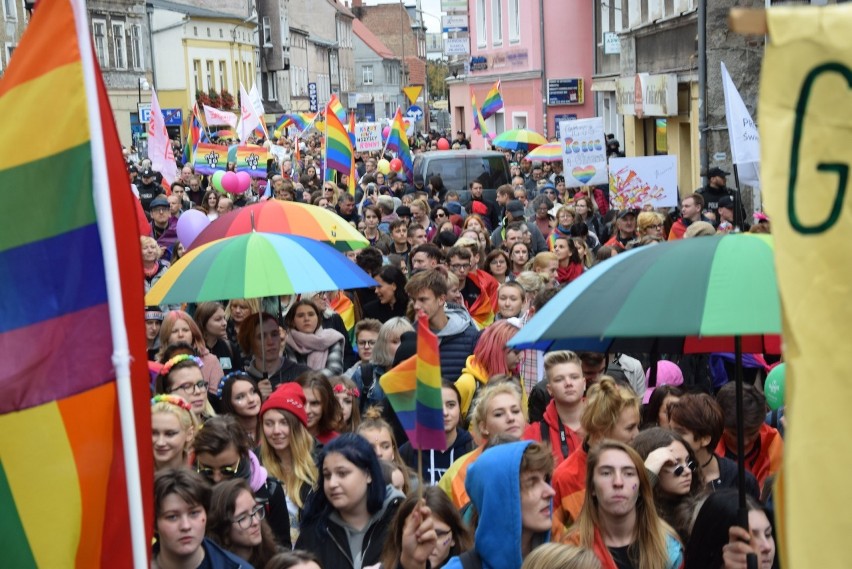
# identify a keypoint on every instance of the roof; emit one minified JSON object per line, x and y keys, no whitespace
{"x":416,"y":70}
{"x":193,"y":10}
{"x":321,"y":41}
{"x":340,"y":7}
{"x":372,"y":41}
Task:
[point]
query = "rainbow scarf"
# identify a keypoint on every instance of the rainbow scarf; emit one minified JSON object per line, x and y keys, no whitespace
{"x":493,"y":101}
{"x":398,"y":142}
{"x":63,"y":494}
{"x":413,"y":389}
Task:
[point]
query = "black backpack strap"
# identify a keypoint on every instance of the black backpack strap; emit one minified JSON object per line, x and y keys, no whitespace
{"x":545,"y":432}
{"x":470,"y":560}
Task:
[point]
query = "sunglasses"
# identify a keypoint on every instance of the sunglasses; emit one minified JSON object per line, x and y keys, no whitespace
{"x":681,"y":469}
{"x":225,"y":471}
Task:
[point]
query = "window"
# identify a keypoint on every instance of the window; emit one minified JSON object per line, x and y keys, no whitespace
{"x":210,"y":76}
{"x":10,"y":10}
{"x":136,"y":46}
{"x":196,"y":75}
{"x":481,"y":40}
{"x":195,"y":31}
{"x":497,"y":22}
{"x":514,"y":21}
{"x":270,"y":86}
{"x":221,"y":33}
{"x":99,"y":37}
{"x":267,"y":32}
{"x":367,"y":75}
{"x":119,"y":47}
{"x":10,"y":49}
{"x":223,"y":76}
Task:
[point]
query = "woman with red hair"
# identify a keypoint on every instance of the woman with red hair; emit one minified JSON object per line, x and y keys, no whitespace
{"x":491,"y":357}
{"x":179,"y":327}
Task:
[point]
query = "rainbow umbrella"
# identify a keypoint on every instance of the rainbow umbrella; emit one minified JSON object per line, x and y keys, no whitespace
{"x":519,"y":139}
{"x":292,"y":218}
{"x":256,"y":265}
{"x":550,"y":152}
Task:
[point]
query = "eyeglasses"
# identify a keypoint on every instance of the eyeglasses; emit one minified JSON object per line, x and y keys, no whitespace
{"x":245,"y":521}
{"x":681,"y":469}
{"x":366,"y":343}
{"x":459,"y":268}
{"x":440,"y":214}
{"x":225,"y":471}
{"x":192,"y":387}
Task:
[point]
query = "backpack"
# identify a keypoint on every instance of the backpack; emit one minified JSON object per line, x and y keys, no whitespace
{"x":470,"y":560}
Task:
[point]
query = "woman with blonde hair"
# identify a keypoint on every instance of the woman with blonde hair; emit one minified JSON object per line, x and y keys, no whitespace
{"x":383,"y":352}
{"x":561,"y":556}
{"x":618,"y":520}
{"x":286,"y":448}
{"x":237,"y":310}
{"x":152,"y":264}
{"x":179,"y":327}
{"x":650,"y":223}
{"x":611,"y":412}
{"x":172,"y":425}
{"x":498,"y":412}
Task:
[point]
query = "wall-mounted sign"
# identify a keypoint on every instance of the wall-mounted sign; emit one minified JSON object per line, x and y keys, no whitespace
{"x":478,"y":63}
{"x":453,"y":23}
{"x":565,"y":91}
{"x":518,"y":58}
{"x":312,"y":97}
{"x":457,"y":46}
{"x":645,"y":95}
{"x":454,"y":5}
{"x":611,"y":43}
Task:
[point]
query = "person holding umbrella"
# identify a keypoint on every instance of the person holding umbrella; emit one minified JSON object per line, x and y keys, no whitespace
{"x":260,"y":337}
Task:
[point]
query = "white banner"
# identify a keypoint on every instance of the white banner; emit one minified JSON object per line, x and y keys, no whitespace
{"x":642,"y":180}
{"x":368,"y":137}
{"x":745,"y":140}
{"x":217,"y":117}
{"x":583,"y":152}
{"x":159,"y":146}
{"x":248,"y":116}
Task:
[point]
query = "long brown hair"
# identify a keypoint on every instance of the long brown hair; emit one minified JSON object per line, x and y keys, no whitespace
{"x":220,"y":517}
{"x":648,"y":550}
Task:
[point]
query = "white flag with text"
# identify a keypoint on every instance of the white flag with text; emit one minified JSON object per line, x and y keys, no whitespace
{"x":159,"y":145}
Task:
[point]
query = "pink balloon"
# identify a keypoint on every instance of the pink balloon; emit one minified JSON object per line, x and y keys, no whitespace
{"x":244,"y":181}
{"x":443,"y":144}
{"x":189,"y":225}
{"x":386,"y":132}
{"x":230,"y":182}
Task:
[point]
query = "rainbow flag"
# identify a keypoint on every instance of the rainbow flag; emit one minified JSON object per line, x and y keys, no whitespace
{"x":252,"y":159}
{"x":339,"y":151}
{"x":335,"y":106}
{"x":209,"y":157}
{"x":493,"y":101}
{"x":398,"y":142}
{"x":484,"y":308}
{"x":226,"y":133}
{"x":344,"y":307}
{"x":64,"y":500}
{"x":413,"y":389}
{"x":350,"y":186}
{"x":478,"y":120}
{"x":193,"y":137}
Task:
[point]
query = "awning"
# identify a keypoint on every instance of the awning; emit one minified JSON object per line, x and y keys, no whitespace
{"x":603,"y":84}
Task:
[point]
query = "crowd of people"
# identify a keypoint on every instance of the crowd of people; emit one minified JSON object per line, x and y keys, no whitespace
{"x":275,"y":445}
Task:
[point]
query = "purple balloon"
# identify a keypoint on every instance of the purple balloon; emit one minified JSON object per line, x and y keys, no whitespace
{"x":230,"y":182}
{"x":386,"y":132}
{"x":189,"y":225}
{"x":243,"y":181}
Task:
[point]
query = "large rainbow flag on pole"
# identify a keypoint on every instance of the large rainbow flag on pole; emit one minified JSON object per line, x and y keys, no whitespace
{"x":75,"y":449}
{"x":398,"y":142}
{"x":193,"y":136}
{"x":493,"y":101}
{"x":335,"y":106}
{"x":413,"y":389}
{"x":338,"y":147}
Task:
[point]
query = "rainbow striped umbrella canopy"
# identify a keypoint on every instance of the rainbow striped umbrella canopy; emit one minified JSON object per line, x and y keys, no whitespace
{"x":292,"y":218}
{"x":550,"y":152}
{"x":255,"y":265}
{"x":519,"y":139}
{"x":687,"y":296}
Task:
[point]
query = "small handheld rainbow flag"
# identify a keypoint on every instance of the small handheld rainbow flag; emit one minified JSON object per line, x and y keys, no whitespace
{"x":413,"y":389}
{"x":398,"y":142}
{"x":335,"y":106}
{"x":493,"y":101}
{"x":338,"y":146}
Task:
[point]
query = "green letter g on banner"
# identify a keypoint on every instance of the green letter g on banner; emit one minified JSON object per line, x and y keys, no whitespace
{"x":842,"y":170}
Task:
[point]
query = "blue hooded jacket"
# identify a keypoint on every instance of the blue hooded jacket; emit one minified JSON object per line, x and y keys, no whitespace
{"x":494,"y":485}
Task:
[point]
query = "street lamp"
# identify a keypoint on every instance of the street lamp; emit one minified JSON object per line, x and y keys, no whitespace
{"x":142,"y":84}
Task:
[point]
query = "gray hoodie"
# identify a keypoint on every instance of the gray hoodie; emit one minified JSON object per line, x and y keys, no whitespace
{"x":355,"y":536}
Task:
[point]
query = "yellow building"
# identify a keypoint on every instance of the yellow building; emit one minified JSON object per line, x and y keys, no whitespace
{"x":200,"y":50}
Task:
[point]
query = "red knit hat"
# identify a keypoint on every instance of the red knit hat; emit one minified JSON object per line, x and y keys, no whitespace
{"x":288,"y":397}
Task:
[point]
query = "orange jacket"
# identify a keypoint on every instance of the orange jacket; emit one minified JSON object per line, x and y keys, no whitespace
{"x":764,"y":458}
{"x":551,"y":419}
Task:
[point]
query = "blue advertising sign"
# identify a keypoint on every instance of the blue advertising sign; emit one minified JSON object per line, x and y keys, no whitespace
{"x":173,"y":117}
{"x":565,"y":91}
{"x":312,"y":97}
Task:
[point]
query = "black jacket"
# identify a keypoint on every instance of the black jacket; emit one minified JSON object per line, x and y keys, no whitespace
{"x":288,"y":372}
{"x":728,"y":478}
{"x":436,"y":463}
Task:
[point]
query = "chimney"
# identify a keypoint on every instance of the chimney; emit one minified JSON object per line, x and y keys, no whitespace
{"x":356,"y":3}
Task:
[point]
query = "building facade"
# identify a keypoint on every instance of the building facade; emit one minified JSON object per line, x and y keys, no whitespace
{"x":543,"y":54}
{"x":120,"y":34}
{"x":274,"y":64}
{"x":16,"y":16}
{"x":377,"y":75}
{"x":200,"y":51}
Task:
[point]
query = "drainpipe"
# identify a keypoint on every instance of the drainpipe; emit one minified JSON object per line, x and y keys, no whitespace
{"x":543,"y":66}
{"x":702,"y":89}
{"x":595,"y":8}
{"x":149,"y":8}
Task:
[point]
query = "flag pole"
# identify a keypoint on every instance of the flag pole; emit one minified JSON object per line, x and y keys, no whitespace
{"x":118,"y":328}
